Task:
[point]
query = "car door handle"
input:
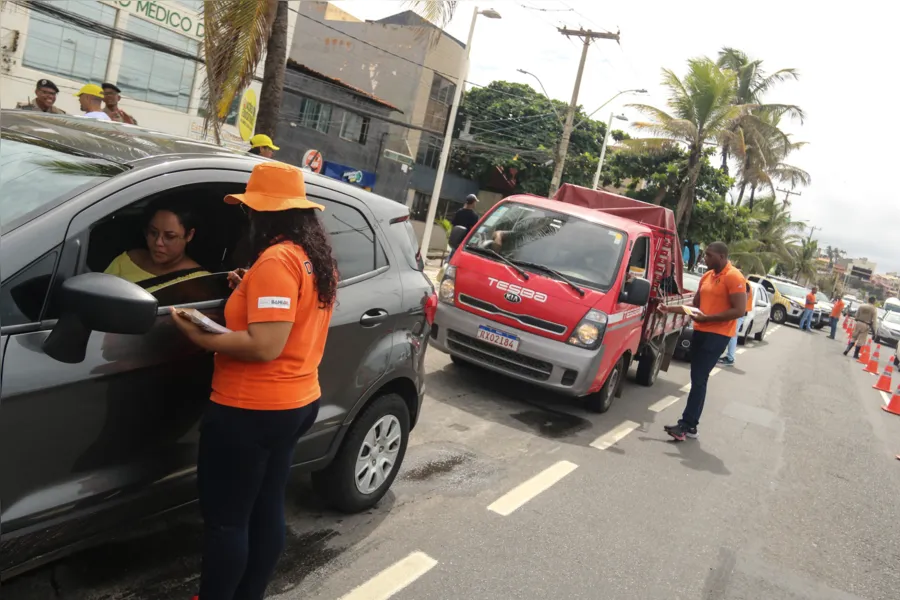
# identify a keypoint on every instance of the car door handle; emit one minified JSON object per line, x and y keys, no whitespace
{"x":374,"y":317}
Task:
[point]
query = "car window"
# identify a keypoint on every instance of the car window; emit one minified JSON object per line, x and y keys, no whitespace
{"x":207,"y":288}
{"x":353,"y":241}
{"x":38,"y":175}
{"x":406,"y":240}
{"x":637,"y":264}
{"x":22,"y":297}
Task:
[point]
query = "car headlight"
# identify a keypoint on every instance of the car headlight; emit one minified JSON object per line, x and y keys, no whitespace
{"x":795,"y":304}
{"x":589,"y":331}
{"x":447,"y":289}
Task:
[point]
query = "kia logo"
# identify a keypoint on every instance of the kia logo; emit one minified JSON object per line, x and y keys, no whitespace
{"x":514,"y":298}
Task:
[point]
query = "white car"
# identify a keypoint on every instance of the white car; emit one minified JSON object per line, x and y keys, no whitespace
{"x":757,"y":320}
{"x":888,"y":331}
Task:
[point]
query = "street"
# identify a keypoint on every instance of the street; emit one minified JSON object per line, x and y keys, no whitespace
{"x":792,"y":492}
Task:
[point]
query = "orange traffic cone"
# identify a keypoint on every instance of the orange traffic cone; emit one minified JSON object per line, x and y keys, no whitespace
{"x":884,"y":382}
{"x":893,"y":406}
{"x":872,"y":367}
{"x":864,"y":354}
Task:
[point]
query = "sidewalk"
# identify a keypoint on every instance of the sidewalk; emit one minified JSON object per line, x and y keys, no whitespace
{"x":432,"y":268}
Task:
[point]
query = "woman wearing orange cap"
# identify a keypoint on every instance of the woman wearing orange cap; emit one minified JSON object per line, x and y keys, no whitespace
{"x":266,"y":384}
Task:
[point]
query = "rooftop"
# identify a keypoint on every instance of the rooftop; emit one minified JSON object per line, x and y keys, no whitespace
{"x":297,"y":67}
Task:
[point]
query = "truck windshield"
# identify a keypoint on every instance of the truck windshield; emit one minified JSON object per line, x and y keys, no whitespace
{"x":586,"y":253}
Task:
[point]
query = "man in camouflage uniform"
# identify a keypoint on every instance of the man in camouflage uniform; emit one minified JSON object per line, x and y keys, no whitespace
{"x":44,"y":98}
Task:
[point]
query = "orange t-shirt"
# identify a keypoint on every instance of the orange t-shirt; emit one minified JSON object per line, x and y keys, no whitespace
{"x":715,"y":297}
{"x":810,"y":301}
{"x":838,"y":308}
{"x":278,"y":287}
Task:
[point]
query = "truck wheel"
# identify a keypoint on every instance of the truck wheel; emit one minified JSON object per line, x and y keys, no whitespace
{"x":648,"y":367}
{"x":779,"y":314}
{"x":600,"y":401}
{"x":369,"y":458}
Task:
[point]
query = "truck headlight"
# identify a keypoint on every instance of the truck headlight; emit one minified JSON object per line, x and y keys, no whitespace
{"x":447,"y":289}
{"x":589,"y":331}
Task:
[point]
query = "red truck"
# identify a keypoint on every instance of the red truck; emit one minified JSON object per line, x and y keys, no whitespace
{"x":562,"y":293}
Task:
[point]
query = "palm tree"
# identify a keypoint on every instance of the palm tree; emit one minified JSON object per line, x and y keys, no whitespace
{"x":804,"y":257}
{"x":776,"y":233}
{"x":702,"y":112}
{"x":270,"y":95}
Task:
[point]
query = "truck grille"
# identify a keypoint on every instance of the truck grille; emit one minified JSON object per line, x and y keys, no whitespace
{"x":532,"y":368}
{"x":524,"y":319}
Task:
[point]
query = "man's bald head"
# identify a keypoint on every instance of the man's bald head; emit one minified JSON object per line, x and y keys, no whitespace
{"x":716,"y":256}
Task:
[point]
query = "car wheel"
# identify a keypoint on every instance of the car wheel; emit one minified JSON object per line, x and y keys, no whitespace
{"x":761,"y":333}
{"x":742,"y":340}
{"x":648,"y":367}
{"x":600,"y":401}
{"x":369,"y":458}
{"x":779,"y":314}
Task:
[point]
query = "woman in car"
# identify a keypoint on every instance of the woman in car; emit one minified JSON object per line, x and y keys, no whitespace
{"x":265,"y":390}
{"x":169,"y":229}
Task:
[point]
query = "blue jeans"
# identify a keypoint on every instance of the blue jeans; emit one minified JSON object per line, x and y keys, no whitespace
{"x":806,"y":319}
{"x":834,"y":324}
{"x":732,"y":343}
{"x":706,"y":348}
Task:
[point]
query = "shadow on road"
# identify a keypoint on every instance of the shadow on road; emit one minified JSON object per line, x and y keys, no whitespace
{"x":692,"y":455}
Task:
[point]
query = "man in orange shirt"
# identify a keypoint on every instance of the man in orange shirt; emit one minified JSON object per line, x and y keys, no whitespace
{"x":722,"y":300}
{"x":836,"y":314}
{"x":808,"y":310}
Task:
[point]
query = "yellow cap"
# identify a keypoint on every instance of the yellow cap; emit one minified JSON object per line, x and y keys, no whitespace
{"x":91,"y":89}
{"x":262,"y":141}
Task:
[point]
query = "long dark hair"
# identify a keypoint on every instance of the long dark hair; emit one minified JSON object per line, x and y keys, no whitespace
{"x":302,"y":227}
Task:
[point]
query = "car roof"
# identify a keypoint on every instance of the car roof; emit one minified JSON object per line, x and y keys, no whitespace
{"x":140,"y":147}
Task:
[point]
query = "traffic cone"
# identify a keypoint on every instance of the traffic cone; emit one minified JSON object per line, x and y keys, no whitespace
{"x":893,"y":406}
{"x":864,"y":354}
{"x":884,"y":382}
{"x":872,"y":367}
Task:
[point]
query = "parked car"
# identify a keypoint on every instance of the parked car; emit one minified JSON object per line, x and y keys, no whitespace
{"x":888,"y":331}
{"x":101,"y":395}
{"x":683,"y":347}
{"x":788,"y":300}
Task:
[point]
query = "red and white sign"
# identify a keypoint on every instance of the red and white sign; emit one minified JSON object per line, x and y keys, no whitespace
{"x":312,"y":160}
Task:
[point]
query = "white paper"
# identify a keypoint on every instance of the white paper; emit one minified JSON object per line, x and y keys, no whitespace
{"x":202,"y":321}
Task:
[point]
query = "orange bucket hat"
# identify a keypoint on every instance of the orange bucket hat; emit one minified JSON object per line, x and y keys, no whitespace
{"x":274,"y":186}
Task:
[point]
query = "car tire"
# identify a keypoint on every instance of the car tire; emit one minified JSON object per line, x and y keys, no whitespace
{"x":601,"y":400}
{"x":758,"y":336}
{"x":742,"y":340}
{"x":779,"y":314}
{"x":648,"y":367}
{"x":338,"y":482}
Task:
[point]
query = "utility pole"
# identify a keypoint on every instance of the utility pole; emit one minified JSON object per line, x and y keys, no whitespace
{"x":812,"y":230}
{"x":587,"y":36}
{"x":788,"y":194}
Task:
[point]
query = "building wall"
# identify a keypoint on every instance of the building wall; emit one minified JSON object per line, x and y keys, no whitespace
{"x":17,"y":82}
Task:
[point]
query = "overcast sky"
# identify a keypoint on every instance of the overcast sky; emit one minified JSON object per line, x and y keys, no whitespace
{"x":846,"y":54}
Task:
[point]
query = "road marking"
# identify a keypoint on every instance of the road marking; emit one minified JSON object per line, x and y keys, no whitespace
{"x":886,"y":397}
{"x":686,"y":388}
{"x":505,"y":505}
{"x":608,"y":439}
{"x":741,"y":351}
{"x":663,"y":404}
{"x":715,"y":371}
{"x":394,"y":578}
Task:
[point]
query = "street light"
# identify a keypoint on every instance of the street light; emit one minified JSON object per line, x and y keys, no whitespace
{"x":603,"y":148}
{"x":640,"y":91}
{"x":490,"y":13}
{"x":524,"y":72}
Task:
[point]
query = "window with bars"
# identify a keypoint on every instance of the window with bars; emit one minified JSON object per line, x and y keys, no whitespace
{"x":315,"y":115}
{"x":437,"y":111}
{"x":429,"y":153}
{"x":355,"y":128}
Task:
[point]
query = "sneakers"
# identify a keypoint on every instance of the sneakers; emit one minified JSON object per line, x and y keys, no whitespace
{"x":680,"y":432}
{"x":726,"y":362}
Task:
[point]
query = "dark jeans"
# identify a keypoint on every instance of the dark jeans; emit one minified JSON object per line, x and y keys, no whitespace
{"x":242,"y":471}
{"x":834,"y":324}
{"x":706,"y":348}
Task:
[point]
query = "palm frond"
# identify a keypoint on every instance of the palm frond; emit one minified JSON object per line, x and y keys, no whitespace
{"x":439,"y":12}
{"x":236,"y":33}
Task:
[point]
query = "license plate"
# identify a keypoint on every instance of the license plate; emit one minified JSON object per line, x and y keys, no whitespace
{"x":498,"y":338}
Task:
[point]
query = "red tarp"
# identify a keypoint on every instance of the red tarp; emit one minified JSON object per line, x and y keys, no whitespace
{"x":627,"y":208}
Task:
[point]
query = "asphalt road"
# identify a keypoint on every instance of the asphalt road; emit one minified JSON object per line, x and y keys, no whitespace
{"x":791,"y":492}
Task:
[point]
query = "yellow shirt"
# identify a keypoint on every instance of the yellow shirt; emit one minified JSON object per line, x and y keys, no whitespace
{"x":122,"y":266}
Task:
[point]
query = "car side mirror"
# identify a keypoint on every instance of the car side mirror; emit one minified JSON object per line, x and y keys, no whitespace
{"x":636,"y":292}
{"x":97,"y":302}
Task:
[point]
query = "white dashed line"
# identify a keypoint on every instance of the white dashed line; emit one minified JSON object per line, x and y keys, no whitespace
{"x":610,"y":438}
{"x":715,"y":371}
{"x":394,"y":578}
{"x":522,"y":493}
{"x":741,"y":351}
{"x":663,"y":404}
{"x":686,"y":388}
{"x":886,"y":397}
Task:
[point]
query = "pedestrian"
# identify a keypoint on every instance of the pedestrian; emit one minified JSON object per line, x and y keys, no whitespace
{"x":721,"y":299}
{"x":836,"y":312}
{"x":728,"y":359}
{"x":265,"y":388}
{"x":90,"y":97}
{"x":44,"y":98}
{"x":808,"y":309}
{"x":262,"y":145}
{"x":466,"y":218}
{"x":111,"y":97}
{"x":866,"y":316}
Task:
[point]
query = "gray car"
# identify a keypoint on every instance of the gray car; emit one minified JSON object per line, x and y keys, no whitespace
{"x":100,"y":396}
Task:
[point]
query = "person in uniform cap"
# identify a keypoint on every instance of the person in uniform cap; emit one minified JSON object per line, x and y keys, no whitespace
{"x":90,"y":96}
{"x":262,"y":145}
{"x":44,"y":98}
{"x":111,"y":96}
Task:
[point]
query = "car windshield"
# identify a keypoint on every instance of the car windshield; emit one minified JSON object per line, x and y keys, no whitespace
{"x":789,"y":289}
{"x":37,"y":175}
{"x":585,"y":253}
{"x":892,"y":317}
{"x":820,"y":297}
